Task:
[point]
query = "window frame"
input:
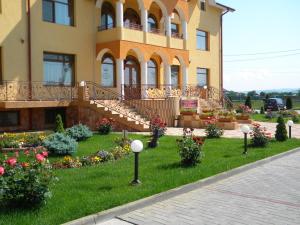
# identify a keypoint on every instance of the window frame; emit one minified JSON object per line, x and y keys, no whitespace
{"x":207,"y":40}
{"x":203,"y":5}
{"x":18,"y":119}
{"x":71,"y":10}
{"x":207,"y":76}
{"x":72,"y":84}
{"x":150,"y":29}
{"x":178,"y":69}
{"x":105,"y":56}
{"x":107,"y":9}
{"x":156,"y":71}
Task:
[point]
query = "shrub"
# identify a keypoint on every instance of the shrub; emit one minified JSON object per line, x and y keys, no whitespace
{"x":244,"y":109}
{"x":281,"y":132}
{"x":119,"y":152}
{"x":59,"y":126}
{"x":158,"y":125}
{"x":79,"y":132}
{"x":289,"y":103}
{"x":122,"y":141}
{"x":60,"y":144}
{"x":262,"y":110}
{"x":212,"y":131}
{"x":25,"y":183}
{"x":296,"y":119}
{"x":104,"y":155}
{"x":189,"y":151}
{"x":248,"y":102}
{"x":104,"y":126}
{"x":259,"y":136}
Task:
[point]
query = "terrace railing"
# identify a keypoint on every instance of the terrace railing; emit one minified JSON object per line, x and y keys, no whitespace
{"x":37,"y":91}
{"x":133,"y":26}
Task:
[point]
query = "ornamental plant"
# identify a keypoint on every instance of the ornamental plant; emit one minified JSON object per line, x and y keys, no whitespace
{"x":25,"y":182}
{"x":79,"y":132}
{"x":212,"y":131}
{"x":281,"y":132}
{"x":259,"y":136}
{"x":244,"y":109}
{"x":158,"y":125}
{"x":60,"y":144}
{"x":59,"y":125}
{"x":248,"y":102}
{"x":104,"y":126}
{"x":289,"y":103}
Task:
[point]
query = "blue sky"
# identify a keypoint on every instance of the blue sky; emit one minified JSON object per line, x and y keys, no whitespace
{"x":262,"y":26}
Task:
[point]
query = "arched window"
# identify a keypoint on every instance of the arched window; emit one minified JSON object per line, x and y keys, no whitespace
{"x":132,"y":19}
{"x":152,"y":73}
{"x":108,"y":71}
{"x":152,"y":23}
{"x":107,"y":16}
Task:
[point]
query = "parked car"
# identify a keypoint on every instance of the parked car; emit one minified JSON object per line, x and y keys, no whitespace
{"x":274,"y":104}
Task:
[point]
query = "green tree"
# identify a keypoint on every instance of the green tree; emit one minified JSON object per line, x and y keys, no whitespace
{"x":267,"y":96}
{"x":281,"y":132}
{"x":252,"y":93}
{"x":248,"y":102}
{"x":289,"y":103}
{"x":262,"y":94}
{"x":299,"y":92}
{"x":59,"y":125}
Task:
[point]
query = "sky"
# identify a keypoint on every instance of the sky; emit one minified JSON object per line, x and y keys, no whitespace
{"x":262,"y":26}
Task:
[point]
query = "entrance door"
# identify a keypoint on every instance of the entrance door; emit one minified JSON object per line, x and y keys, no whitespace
{"x":132,"y":81}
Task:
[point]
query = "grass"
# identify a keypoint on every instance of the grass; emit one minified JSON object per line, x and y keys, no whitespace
{"x":257,"y":104}
{"x":85,"y":191}
{"x":263,"y":118}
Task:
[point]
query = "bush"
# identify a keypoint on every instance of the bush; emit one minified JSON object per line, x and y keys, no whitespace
{"x":158,"y":126}
{"x":189,"y":151}
{"x":289,"y":103}
{"x":259,"y":136}
{"x":25,"y":183}
{"x":104,"y":126}
{"x":248,"y":102}
{"x":212,"y":131}
{"x":60,"y":144}
{"x":296,"y":119}
{"x":59,"y":126}
{"x":262,"y":110}
{"x":281,"y":132}
{"x":119,"y":152}
{"x":79,"y":132}
{"x":105,"y":156}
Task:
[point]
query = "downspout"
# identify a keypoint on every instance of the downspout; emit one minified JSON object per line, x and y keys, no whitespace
{"x":29,"y":61}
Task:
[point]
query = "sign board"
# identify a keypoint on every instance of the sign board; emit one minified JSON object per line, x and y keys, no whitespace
{"x":189,"y":105}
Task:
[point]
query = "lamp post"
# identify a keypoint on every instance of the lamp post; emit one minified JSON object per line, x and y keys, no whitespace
{"x":290,"y":123}
{"x":245,"y":129}
{"x":136,"y":147}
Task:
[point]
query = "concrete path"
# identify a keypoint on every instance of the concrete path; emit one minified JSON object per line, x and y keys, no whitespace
{"x":268,"y":194}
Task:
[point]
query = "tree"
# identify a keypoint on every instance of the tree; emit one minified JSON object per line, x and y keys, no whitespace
{"x":289,"y":103}
{"x":262,"y":94}
{"x":59,"y":126}
{"x":299,"y":92}
{"x":281,"y":132}
{"x":252,"y":93}
{"x":248,"y":102}
{"x":267,"y":96}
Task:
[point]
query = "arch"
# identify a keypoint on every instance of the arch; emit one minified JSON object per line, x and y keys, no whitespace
{"x":180,"y":13}
{"x":180,"y":59}
{"x":103,"y":52}
{"x":131,"y":16}
{"x":108,"y":71}
{"x":137,"y":52}
{"x":108,"y":17}
{"x":162,"y":7}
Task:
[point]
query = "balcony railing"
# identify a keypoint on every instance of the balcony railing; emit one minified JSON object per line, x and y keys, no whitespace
{"x":133,"y":26}
{"x":37,"y":91}
{"x":106,"y":27}
{"x":155,"y":31}
{"x":177,"y":35}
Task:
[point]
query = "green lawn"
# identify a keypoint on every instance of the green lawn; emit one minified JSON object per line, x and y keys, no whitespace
{"x":85,"y":191}
{"x":257,"y":104}
{"x":262,"y":118}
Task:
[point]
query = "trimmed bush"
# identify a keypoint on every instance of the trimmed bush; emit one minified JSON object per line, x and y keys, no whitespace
{"x":289,"y":103}
{"x":212,"y":131}
{"x":248,"y":102}
{"x":296,"y":119}
{"x":281,"y":132}
{"x":59,"y":125}
{"x":79,"y":132}
{"x":60,"y":144}
{"x":259,"y":136}
{"x":189,"y":151}
{"x":262,"y":110}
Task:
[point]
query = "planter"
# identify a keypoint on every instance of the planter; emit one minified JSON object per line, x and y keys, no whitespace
{"x":228,"y":125}
{"x":245,"y":121}
{"x":226,"y":120}
{"x":243,"y":117}
{"x":188,"y":113}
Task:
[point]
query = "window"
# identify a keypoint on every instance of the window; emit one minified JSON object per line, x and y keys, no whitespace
{"x":1,"y":76}
{"x":174,"y":29}
{"x":152,"y":73}
{"x":107,"y":16}
{"x":58,"y":69}
{"x":202,"y":5}
{"x":131,"y":17}
{"x":59,"y":11}
{"x":175,"y":75}
{"x":152,"y":23}
{"x":9,"y":118}
{"x":108,"y":71}
{"x":202,"y":77}
{"x":51,"y":113}
{"x":202,"y":40}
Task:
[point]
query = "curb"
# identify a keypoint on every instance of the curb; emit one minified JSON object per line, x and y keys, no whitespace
{"x":124,"y":209}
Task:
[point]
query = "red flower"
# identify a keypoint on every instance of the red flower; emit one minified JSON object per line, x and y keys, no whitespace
{"x":11,"y":161}
{"x":45,"y":154}
{"x":2,"y":170}
{"x":27,"y":152}
{"x":39,"y":157}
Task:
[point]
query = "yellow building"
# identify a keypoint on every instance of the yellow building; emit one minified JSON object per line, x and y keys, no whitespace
{"x":85,"y":59}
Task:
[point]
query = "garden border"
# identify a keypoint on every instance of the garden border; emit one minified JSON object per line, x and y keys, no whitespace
{"x":124,"y":209}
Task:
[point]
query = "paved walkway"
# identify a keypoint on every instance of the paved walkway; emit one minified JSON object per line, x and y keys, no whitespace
{"x":268,"y":194}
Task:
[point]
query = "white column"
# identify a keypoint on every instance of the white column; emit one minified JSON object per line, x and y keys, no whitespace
{"x":144,"y":78}
{"x":168,"y":26}
{"x":167,"y":69}
{"x":144,"y":19}
{"x":184,"y":30}
{"x":185,"y":78}
{"x":120,"y":75}
{"x":120,"y":13}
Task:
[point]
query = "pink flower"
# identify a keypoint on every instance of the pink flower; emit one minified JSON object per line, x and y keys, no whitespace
{"x":27,"y":152}
{"x":45,"y":154}
{"x":39,"y":157}
{"x":11,"y":161}
{"x":2,"y":170}
{"x":17,"y":154}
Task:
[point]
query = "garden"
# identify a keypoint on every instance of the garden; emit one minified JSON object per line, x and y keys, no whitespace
{"x":61,"y":176}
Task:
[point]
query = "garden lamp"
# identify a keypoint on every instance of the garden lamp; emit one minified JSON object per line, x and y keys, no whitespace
{"x":245,"y":129}
{"x":136,"y":147}
{"x":290,"y":123}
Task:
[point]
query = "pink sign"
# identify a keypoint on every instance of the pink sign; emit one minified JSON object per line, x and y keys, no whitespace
{"x":188,"y":105}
